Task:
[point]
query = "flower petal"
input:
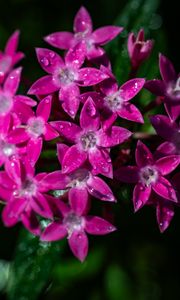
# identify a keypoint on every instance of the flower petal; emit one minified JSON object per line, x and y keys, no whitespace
{"x":89,"y":117}
{"x":131,"y":88}
{"x":12,"y":211}
{"x":165,"y":149}
{"x":62,"y":40}
{"x":164,"y":214}
{"x":99,"y":189}
{"x":75,"y":56}
{"x":56,"y":180}
{"x":163,"y":126}
{"x":155,"y":86}
{"x":12,"y":43}
{"x":114,"y":136}
{"x":69,"y":94}
{"x":41,"y":206}
{"x":127,"y":174}
{"x":67,"y":129}
{"x":43,"y":86}
{"x":73,"y":159}
{"x":168,"y":164}
{"x":30,"y":222}
{"x":105,"y":34}
{"x":50,"y":133}
{"x":34,"y":148}
{"x":166,"y":68}
{"x":53,"y":232}
{"x":44,"y":108}
{"x":82,"y":21}
{"x":141,"y":195}
{"x":61,"y":150}
{"x":101,"y":162}
{"x":98,"y":226}
{"x":172,"y":109}
{"x":12,"y":82}
{"x":78,"y":199}
{"x":90,"y":76}
{"x":78,"y":242}
{"x":164,"y":188}
{"x":25,"y":100}
{"x":49,"y":60}
{"x":130,"y":112}
{"x":143,"y":155}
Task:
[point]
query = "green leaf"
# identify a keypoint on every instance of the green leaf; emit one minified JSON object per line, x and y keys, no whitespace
{"x":32,"y":266}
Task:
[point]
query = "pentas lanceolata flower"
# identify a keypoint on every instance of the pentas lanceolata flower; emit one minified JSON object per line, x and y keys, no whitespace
{"x":80,"y":108}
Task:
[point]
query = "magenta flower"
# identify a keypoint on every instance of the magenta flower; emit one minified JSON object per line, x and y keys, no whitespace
{"x":83,"y":32}
{"x":65,"y":77}
{"x":36,"y":129}
{"x":138,"y":49}
{"x":149,"y":175}
{"x":168,"y":130}
{"x":168,"y":87}
{"x":25,"y":195}
{"x":11,"y":103}
{"x":114,"y":102}
{"x":74,"y":223}
{"x":79,"y":182}
{"x":10,"y":57}
{"x":91,"y":142}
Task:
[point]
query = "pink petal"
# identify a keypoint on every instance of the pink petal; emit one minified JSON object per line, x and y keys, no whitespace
{"x":12,"y":43}
{"x":69,"y":94}
{"x":53,"y":232}
{"x":164,"y":214}
{"x":127,"y":174}
{"x":163,"y":126}
{"x":98,"y":226}
{"x":166,"y":68}
{"x":44,"y":108}
{"x":12,"y":211}
{"x":99,"y":189}
{"x":168,"y":164}
{"x":131,"y":88}
{"x":62,"y":40}
{"x":13,"y":169}
{"x":34,"y":148}
{"x":105,"y":34}
{"x":50,"y":133}
{"x":101,"y":162}
{"x":143,"y":155}
{"x":5,"y":194}
{"x":73,"y":159}
{"x":67,"y":129}
{"x":141,"y":195}
{"x":78,"y":199}
{"x":17,"y":57}
{"x":6,"y":181}
{"x":43,"y":86}
{"x":25,"y":100}
{"x":12,"y":82}
{"x":130,"y":112}
{"x":155,"y":86}
{"x":30,"y":222}
{"x":82,"y":21}
{"x":164,"y":189}
{"x":17,"y":136}
{"x":78,"y":242}
{"x":56,"y":180}
{"x":23,"y":111}
{"x":41,"y":206}
{"x":89,"y":117}
{"x":75,"y":56}
{"x":61,"y":150}
{"x":172,"y":109}
{"x":165,"y":149}
{"x":114,"y":136}
{"x":90,"y":76}
{"x":49,"y":60}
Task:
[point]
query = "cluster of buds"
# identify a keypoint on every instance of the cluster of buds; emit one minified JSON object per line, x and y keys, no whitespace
{"x":80,"y":105}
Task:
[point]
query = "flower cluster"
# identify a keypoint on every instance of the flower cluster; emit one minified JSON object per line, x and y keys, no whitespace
{"x":79,"y":109}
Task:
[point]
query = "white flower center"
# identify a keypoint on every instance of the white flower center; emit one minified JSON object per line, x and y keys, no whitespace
{"x":174,"y":89}
{"x":114,"y":101}
{"x":66,"y":76}
{"x":79,"y":178}
{"x":73,"y":222}
{"x":28,"y":189}
{"x":7,"y":149}
{"x":36,"y":126}
{"x":148,"y":175}
{"x":6,"y":104}
{"x":88,"y":140}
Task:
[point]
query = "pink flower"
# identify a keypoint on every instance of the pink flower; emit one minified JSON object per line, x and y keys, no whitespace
{"x":83,"y":31}
{"x":139,"y":49}
{"x":114,"y":101}
{"x":91,"y":142}
{"x":65,"y":77}
{"x":36,"y":129}
{"x":149,"y":175}
{"x":25,"y":195}
{"x":79,"y":182}
{"x":168,"y":130}
{"x":74,"y":224}
{"x":11,"y":103}
{"x":168,"y":87}
{"x":10,"y":57}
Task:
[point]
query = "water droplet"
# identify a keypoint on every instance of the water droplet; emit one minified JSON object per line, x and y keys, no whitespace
{"x":45,"y":61}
